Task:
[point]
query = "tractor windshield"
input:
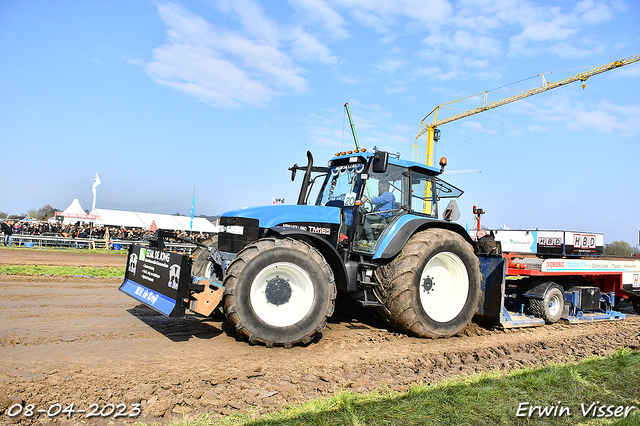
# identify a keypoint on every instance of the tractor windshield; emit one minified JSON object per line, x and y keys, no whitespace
{"x":340,"y":188}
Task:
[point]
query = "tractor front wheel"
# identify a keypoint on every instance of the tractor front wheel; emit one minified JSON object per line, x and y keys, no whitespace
{"x":202,"y":263}
{"x":432,"y":288}
{"x":279,"y":292}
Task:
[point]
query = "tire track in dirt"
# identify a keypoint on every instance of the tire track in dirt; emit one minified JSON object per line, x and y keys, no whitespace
{"x":88,"y":343}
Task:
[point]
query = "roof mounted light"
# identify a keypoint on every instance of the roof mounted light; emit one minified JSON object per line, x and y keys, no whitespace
{"x":443,"y":164}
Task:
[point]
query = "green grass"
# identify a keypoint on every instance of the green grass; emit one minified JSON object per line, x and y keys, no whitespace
{"x":64,"y":270}
{"x":67,"y":250}
{"x":485,"y":399}
{"x":61,"y":270}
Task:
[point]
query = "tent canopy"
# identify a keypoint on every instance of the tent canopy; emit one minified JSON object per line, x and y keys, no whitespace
{"x":74,"y":213}
{"x":106,"y":217}
{"x":143,"y":220}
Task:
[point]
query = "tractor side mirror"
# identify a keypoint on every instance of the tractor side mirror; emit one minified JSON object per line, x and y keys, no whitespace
{"x":380,"y":162}
{"x":293,"y":169}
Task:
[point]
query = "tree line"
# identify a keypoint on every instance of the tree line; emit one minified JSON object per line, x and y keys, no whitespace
{"x":621,"y":248}
{"x":44,"y":213}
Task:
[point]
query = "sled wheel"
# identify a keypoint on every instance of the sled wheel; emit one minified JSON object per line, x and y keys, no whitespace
{"x":279,"y":292}
{"x":550,"y":307}
{"x":432,"y":287}
{"x":202,"y":265}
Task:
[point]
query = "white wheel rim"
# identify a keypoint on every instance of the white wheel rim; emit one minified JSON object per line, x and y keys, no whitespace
{"x":286,"y":310}
{"x":208,"y":269}
{"x":444,"y":287}
{"x":554,"y":305}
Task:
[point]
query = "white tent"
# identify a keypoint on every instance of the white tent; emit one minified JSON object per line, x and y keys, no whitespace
{"x":75,"y":213}
{"x":106,"y":217}
{"x":144,"y":220}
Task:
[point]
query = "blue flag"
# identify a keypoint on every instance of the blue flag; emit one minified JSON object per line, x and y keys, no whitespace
{"x":193,"y":202}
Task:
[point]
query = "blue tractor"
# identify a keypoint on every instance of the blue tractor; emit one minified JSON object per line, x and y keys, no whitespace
{"x":372,"y":234}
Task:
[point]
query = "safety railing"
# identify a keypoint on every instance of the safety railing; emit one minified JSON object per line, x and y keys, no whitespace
{"x":86,"y":243}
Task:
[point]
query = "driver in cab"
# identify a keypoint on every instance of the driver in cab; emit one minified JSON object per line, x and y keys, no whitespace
{"x":383,"y":205}
{"x":384,"y":202}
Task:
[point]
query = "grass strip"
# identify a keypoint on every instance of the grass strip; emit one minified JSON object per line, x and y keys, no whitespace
{"x":68,"y":250}
{"x":61,"y":270}
{"x":566,"y":391}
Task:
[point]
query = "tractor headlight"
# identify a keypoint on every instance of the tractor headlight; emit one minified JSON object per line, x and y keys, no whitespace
{"x":234,"y":229}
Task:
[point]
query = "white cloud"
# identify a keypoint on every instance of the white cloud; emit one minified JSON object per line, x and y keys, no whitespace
{"x":396,"y":87}
{"x":428,"y":71}
{"x":476,"y":32}
{"x":218,"y":65}
{"x":308,"y":48}
{"x":381,"y":14}
{"x":327,"y":136}
{"x":633,"y":71}
{"x":374,"y":126}
{"x":544,"y":27}
{"x":252,"y":18}
{"x":389,"y":66}
{"x":464,"y":41}
{"x":318,"y":11}
{"x":604,"y":117}
{"x":472,"y":125}
{"x":198,"y":73}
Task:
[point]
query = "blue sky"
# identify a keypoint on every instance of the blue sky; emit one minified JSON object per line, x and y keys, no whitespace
{"x":158,"y":97}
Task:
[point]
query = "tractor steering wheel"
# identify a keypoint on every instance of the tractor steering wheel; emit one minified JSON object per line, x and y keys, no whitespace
{"x":367,"y":206}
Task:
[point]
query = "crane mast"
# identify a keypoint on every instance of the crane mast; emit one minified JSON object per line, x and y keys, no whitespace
{"x":433,"y":132}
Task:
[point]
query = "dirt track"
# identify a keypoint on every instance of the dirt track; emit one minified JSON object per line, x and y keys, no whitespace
{"x":79,"y":340}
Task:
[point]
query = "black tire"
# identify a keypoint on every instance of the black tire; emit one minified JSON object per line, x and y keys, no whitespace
{"x":279,"y":292}
{"x":636,"y":304}
{"x":202,"y":265}
{"x":435,"y":306}
{"x":549,"y":308}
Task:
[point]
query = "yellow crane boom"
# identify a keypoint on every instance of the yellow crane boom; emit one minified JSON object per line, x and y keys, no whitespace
{"x":431,"y":129}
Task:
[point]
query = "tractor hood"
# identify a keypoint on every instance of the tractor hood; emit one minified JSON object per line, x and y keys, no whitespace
{"x":279,"y":214}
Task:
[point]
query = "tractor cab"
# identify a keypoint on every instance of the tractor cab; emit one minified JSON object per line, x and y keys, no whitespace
{"x":374,"y":189}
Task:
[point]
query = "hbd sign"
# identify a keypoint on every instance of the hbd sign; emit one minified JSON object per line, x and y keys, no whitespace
{"x":550,"y":241}
{"x":584,"y":241}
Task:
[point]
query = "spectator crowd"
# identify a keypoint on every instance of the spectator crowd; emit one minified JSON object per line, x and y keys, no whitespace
{"x":79,"y":230}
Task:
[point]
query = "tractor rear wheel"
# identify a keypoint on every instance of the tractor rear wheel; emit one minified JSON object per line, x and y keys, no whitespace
{"x":636,"y":304}
{"x":279,"y":292}
{"x":432,"y":288}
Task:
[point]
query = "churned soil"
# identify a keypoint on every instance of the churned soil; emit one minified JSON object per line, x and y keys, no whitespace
{"x":78,"y":340}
